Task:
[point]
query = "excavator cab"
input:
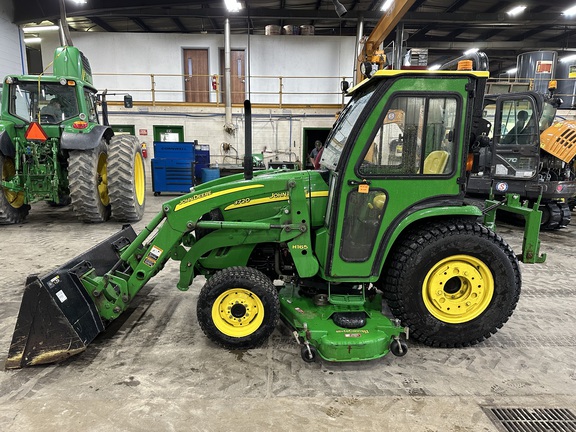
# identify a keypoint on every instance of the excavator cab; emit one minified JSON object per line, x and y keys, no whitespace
{"x":517,"y":155}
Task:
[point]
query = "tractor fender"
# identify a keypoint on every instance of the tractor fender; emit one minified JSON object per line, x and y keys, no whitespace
{"x":426,"y":214}
{"x":6,"y":145}
{"x":85,"y":141}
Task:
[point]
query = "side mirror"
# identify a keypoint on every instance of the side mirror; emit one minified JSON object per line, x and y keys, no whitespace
{"x":128,"y":101}
{"x":344,"y":86}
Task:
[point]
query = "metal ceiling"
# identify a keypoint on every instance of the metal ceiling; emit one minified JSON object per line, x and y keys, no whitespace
{"x":445,"y":27}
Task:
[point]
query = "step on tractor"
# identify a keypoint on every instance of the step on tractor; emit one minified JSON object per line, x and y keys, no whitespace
{"x":320,"y":250}
{"x":528,"y":153}
{"x":53,"y":147}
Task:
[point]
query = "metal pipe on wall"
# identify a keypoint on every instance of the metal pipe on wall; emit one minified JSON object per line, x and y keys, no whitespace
{"x":399,"y":46}
{"x":228,"y":126}
{"x":359,"y":36}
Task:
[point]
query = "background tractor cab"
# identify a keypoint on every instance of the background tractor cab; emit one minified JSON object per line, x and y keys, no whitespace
{"x":512,"y":156}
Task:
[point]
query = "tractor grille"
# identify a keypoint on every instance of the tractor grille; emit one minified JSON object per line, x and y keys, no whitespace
{"x":86,"y":64}
{"x":533,"y":419}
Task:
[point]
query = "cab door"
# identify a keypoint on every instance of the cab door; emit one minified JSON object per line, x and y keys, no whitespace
{"x":516,"y":138}
{"x":405,"y":154}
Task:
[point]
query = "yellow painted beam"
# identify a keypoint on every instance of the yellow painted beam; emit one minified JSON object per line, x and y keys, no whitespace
{"x":383,"y":28}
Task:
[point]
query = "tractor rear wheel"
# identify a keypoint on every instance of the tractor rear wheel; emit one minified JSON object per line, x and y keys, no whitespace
{"x":88,"y":180}
{"x":453,"y":283}
{"x":126,"y":178}
{"x":13,"y":208}
{"x":238,"y":308}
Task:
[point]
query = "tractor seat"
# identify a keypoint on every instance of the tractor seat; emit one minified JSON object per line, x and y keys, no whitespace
{"x":435,"y":162}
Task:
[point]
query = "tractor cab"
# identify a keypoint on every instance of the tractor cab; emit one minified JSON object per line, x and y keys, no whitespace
{"x":45,"y":102}
{"x":394,"y":156}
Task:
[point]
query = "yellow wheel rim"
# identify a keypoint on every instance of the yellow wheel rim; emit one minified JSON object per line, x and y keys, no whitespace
{"x":238,"y":312}
{"x":139,"y":178}
{"x":103,"y":179}
{"x":15,"y":199}
{"x":458,"y":289}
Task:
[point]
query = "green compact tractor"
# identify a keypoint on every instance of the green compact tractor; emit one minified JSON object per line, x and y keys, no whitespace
{"x":384,"y":219}
{"x":53,"y":148}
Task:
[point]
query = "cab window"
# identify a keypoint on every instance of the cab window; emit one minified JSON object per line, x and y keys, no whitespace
{"x":416,"y":137}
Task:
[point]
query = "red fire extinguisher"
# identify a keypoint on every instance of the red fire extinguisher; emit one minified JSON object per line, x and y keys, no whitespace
{"x":214,"y":82}
{"x":144,"y":151}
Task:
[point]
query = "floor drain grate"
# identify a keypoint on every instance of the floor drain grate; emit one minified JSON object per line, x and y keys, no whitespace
{"x":533,"y":419}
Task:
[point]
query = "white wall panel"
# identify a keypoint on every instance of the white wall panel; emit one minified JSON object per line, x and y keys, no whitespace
{"x":118,"y":54}
{"x":12,"y":51}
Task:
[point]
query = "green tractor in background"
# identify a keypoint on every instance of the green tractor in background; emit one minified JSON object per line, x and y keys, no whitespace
{"x":54,"y":148}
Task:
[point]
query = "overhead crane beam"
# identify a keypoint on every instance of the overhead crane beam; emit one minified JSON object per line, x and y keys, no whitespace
{"x":383,"y":28}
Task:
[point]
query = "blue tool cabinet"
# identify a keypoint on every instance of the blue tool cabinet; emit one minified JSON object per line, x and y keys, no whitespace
{"x":177,"y":166}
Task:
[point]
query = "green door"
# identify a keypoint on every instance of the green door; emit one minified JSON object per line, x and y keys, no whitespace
{"x":403,"y":154}
{"x":169,"y":133}
{"x":124,"y":129}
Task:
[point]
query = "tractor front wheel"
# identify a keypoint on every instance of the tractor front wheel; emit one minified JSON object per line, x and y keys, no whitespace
{"x":453,"y":283}
{"x":13,"y":208}
{"x":238,"y":308}
{"x":126,"y":178}
{"x":88,"y":180}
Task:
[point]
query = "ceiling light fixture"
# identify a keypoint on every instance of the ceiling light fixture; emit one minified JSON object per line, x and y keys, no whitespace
{"x":40,"y":28}
{"x":387,"y":5}
{"x":570,"y":11}
{"x":80,"y":1}
{"x":340,"y":9}
{"x":512,"y":71}
{"x":32,"y":40}
{"x":516,"y":10}
{"x":233,"y":5}
{"x":568,"y":58}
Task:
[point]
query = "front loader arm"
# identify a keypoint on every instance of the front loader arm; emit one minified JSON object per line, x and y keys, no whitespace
{"x":175,"y":227}
{"x":64,"y":310}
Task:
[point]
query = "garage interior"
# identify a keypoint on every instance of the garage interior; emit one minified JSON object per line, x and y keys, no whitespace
{"x":153,"y":367}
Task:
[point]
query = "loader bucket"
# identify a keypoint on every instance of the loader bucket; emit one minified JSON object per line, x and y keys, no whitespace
{"x":57,"y":317}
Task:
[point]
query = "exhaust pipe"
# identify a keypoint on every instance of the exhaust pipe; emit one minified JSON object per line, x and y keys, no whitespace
{"x":248,"y":163}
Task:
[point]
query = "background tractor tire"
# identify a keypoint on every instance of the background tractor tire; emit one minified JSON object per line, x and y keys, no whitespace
{"x":13,"y":209}
{"x":88,"y":180}
{"x":126,"y":178}
{"x":453,"y":283}
{"x":238,"y":308}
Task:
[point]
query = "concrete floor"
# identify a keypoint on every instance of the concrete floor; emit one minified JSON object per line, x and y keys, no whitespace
{"x":159,"y":373}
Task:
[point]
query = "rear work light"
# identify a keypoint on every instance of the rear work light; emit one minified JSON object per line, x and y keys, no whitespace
{"x":80,"y":125}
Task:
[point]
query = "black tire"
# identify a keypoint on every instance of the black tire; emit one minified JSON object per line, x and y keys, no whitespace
{"x":309,"y":353}
{"x":566,"y":214}
{"x":453,"y":283}
{"x":88,"y":180}
{"x":238,"y":308}
{"x":551,"y":216}
{"x":13,"y":208}
{"x":126,"y":178}
{"x":398,"y":347}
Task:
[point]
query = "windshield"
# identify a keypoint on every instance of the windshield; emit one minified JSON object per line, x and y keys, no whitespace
{"x":548,"y":114}
{"x":338,"y":139}
{"x":54,"y":102}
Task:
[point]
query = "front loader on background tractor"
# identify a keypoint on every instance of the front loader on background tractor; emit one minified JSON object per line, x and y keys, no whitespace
{"x":53,"y":147}
{"x":384,"y":218}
